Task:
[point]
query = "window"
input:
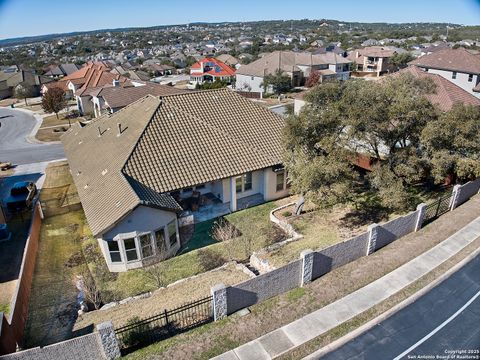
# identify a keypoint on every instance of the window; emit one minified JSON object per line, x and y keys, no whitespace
{"x":201,"y":186}
{"x":247,"y":181}
{"x":244,"y":182}
{"x":114,"y":251}
{"x":160,"y":241}
{"x":172,"y":232}
{"x":146,"y":244}
{"x":253,"y":78}
{"x":187,"y":189}
{"x":454,"y":75}
{"x":280,"y":181}
{"x":470,"y":77}
{"x":130,"y":249}
{"x":238,"y":184}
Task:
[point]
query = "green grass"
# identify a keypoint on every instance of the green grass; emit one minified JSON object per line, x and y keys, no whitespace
{"x":295,"y":294}
{"x":5,"y":308}
{"x":201,"y":237}
{"x":253,"y":223}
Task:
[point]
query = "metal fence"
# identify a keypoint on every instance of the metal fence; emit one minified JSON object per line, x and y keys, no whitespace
{"x":139,"y":333}
{"x":437,"y":208}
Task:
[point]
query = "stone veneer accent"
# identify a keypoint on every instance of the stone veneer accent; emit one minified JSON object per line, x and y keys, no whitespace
{"x":108,"y":340}
{"x":307,"y":257}
{"x":219,"y":294}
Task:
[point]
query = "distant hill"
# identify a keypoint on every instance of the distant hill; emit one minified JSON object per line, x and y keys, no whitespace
{"x":333,"y":23}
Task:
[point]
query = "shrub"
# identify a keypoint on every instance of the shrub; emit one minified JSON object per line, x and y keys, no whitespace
{"x":210,"y":259}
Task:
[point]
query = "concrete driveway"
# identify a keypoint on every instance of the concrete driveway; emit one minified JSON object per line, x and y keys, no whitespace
{"x":15,"y":143}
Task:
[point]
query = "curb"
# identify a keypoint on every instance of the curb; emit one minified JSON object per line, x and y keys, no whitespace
{"x":370,"y":324}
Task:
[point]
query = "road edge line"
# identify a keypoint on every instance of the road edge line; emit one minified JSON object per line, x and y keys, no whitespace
{"x":375,"y":321}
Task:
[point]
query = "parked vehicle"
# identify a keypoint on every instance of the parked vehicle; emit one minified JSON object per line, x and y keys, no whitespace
{"x":21,"y":196}
{"x":5,"y":166}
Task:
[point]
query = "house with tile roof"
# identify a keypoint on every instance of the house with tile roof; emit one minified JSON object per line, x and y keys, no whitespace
{"x":58,"y":71}
{"x":297,"y":65}
{"x":372,"y":59}
{"x":458,"y":66}
{"x":110,"y":99}
{"x":10,"y":81}
{"x":165,"y":160}
{"x":210,"y":69}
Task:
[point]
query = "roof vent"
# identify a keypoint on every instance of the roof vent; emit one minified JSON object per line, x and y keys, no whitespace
{"x":104,"y":172}
{"x":100,"y":132}
{"x":80,"y":142}
{"x":120,"y":130}
{"x":79,"y":173}
{"x":86,"y":186}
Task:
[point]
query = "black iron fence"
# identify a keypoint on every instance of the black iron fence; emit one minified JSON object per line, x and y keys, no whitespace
{"x":139,"y":333}
{"x":437,"y":208}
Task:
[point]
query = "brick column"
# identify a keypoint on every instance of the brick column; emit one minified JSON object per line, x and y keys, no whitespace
{"x":307,"y":266}
{"x":372,"y":238}
{"x":421,"y":208}
{"x":455,"y":194}
{"x":219,"y":302}
{"x":108,"y":340}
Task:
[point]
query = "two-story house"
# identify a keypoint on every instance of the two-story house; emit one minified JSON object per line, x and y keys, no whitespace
{"x":372,"y":59}
{"x":296,"y":65}
{"x":209,"y":70}
{"x":458,"y":66}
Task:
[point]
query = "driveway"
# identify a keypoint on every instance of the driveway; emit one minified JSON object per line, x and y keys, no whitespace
{"x":16,"y":127}
{"x":443,"y":322}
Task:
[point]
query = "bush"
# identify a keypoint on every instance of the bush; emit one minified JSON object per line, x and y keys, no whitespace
{"x":210,"y":259}
{"x":137,"y":335}
{"x":286,"y":213}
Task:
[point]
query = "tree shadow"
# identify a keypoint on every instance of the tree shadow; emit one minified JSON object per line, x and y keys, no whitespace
{"x":368,"y":210}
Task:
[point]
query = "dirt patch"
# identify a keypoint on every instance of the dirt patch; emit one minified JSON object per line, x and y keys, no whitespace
{"x":217,"y":338}
{"x":171,"y":297}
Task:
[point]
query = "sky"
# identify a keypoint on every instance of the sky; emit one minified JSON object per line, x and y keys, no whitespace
{"x":38,"y":17}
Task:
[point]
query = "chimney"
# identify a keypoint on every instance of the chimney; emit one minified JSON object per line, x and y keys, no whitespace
{"x":116,"y":83}
{"x":357,"y":55}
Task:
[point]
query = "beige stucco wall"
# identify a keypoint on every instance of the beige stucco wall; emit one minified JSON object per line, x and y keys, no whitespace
{"x":140,"y":221}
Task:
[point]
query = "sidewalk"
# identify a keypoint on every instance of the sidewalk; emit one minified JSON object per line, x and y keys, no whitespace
{"x":318,"y":322}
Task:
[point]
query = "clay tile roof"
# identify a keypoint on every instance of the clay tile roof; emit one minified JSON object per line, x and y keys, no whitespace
{"x":447,"y":93}
{"x":450,"y":59}
{"x":118,"y":97}
{"x":168,"y":143}
{"x":219,"y":68}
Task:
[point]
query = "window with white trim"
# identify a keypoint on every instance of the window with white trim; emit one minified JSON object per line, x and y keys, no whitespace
{"x":244,"y":182}
{"x":454,"y":75}
{"x":114,"y":251}
{"x":130,"y":249}
{"x":160,"y":241}
{"x":280,"y":181}
{"x":146,"y":245}
{"x":470,"y":77}
{"x":172,"y":232}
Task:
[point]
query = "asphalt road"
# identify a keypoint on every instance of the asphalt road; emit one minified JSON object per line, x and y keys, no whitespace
{"x":14,"y":147}
{"x":442,"y":324}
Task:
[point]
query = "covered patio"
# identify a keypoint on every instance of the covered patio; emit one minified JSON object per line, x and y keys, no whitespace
{"x":211,"y":207}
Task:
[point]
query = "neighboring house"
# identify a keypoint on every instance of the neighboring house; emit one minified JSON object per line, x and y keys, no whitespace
{"x":134,"y":75}
{"x":10,"y":81}
{"x":209,"y":70}
{"x":229,"y":60}
{"x":162,"y":161}
{"x":445,"y":96}
{"x":58,"y":71}
{"x":458,"y":66}
{"x":297,"y":65}
{"x":82,"y":83}
{"x":372,"y":59}
{"x":107,"y":100}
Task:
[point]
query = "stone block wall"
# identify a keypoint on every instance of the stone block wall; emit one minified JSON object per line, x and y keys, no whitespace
{"x":264,"y":286}
{"x":396,"y":228}
{"x":339,"y":254}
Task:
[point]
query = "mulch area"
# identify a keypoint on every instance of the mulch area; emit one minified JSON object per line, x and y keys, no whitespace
{"x":214,"y":339}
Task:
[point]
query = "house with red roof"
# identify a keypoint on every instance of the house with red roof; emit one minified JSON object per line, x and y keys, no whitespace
{"x":459,"y":66}
{"x":209,"y":70}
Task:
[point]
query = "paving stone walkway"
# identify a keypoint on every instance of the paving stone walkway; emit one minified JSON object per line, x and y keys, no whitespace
{"x":318,"y":322}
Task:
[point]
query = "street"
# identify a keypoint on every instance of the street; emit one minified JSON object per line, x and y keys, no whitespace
{"x":15,"y":127}
{"x":442,"y":324}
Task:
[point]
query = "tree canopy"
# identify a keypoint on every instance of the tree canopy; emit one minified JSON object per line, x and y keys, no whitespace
{"x":279,"y":82}
{"x":382,"y":119}
{"x":24,"y":91}
{"x":53,"y":101}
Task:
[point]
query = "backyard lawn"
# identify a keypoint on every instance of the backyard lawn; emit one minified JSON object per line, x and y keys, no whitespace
{"x":52,"y":307}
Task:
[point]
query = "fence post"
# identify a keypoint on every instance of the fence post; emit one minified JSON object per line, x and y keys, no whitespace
{"x":455,"y":195}
{"x":307,"y":266}
{"x":421,"y":208}
{"x":108,"y":340}
{"x":219,"y":302}
{"x":372,"y":238}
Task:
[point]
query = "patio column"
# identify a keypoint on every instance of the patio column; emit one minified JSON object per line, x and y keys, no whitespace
{"x":233,"y":194}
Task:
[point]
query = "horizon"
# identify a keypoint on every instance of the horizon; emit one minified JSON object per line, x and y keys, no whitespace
{"x":465,"y":12}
